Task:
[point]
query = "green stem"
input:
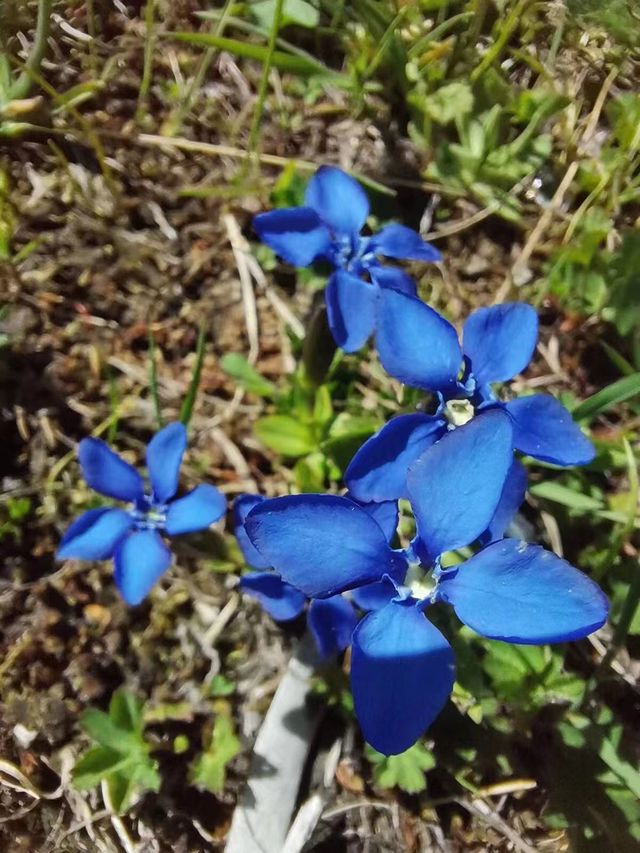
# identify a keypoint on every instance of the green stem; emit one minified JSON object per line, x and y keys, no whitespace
{"x":201,"y":73}
{"x":149,"y":44}
{"x":22,"y":86}
{"x":264,"y":80}
{"x":494,"y":52}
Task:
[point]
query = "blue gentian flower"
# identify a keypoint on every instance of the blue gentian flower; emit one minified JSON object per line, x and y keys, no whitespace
{"x":419,"y":347}
{"x":133,"y":536}
{"x":328,"y":227}
{"x":331,"y":620}
{"x":402,"y":667}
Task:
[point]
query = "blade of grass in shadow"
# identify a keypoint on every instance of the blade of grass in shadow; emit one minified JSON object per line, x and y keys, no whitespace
{"x":189,"y":401}
{"x":153,"y":380}
{"x":149,"y":45}
{"x":254,"y":133}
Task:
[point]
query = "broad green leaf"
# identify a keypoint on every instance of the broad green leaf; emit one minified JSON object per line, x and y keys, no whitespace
{"x":323,"y":408}
{"x":406,"y":771}
{"x":285,"y":435}
{"x":606,"y":398}
{"x":237,"y":367}
{"x":293,"y":12}
{"x":567,"y":497}
{"x":209,"y":769}
{"x":311,"y":472}
{"x":346,"y":435}
{"x":96,"y":764}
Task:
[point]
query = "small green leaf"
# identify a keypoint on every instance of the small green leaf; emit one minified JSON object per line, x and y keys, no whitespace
{"x":237,"y":367}
{"x":220,"y":685}
{"x":101,"y":728}
{"x":450,"y":102}
{"x":285,"y":435}
{"x":209,"y":769}
{"x":323,"y":408}
{"x":189,"y":401}
{"x":125,"y":711}
{"x":96,"y":764}
{"x":406,"y":771}
{"x":293,"y":12}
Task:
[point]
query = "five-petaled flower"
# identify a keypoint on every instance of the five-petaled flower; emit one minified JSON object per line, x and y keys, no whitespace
{"x":419,"y":347}
{"x":402,"y":667}
{"x":328,"y":227}
{"x":331,"y":621}
{"x":133,"y":536}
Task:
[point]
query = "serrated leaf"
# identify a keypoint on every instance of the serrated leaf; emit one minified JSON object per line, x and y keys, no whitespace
{"x":285,"y":435}
{"x":237,"y":367}
{"x":406,"y":771}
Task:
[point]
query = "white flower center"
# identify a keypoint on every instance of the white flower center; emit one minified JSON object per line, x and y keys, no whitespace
{"x":458,"y":412}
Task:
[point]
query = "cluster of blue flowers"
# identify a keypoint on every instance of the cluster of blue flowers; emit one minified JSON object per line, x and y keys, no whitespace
{"x":333,"y":556}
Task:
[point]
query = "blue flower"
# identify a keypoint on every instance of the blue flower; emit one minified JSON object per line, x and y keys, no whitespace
{"x":402,"y":667}
{"x":133,"y":536}
{"x":331,"y":620}
{"x":328,"y":227}
{"x":419,"y":347}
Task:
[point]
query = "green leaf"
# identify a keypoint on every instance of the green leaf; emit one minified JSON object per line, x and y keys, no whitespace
{"x":323,"y":408}
{"x":606,"y":398}
{"x":450,"y":102}
{"x":304,"y":66}
{"x":567,"y":497}
{"x":237,"y":367}
{"x":125,"y":711}
{"x":285,"y":435}
{"x":406,"y":771}
{"x":209,"y":769}
{"x":293,"y":12}
{"x":346,"y":435}
{"x":96,"y":764}
{"x":220,"y":685}
{"x":101,"y":728}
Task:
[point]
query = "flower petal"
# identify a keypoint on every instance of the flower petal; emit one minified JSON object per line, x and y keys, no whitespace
{"x":331,"y":622}
{"x":416,"y":344}
{"x":544,"y":429}
{"x":378,"y":471}
{"x":394,"y":278}
{"x":107,"y":473}
{"x":374,"y":596}
{"x":321,"y":544}
{"x":384,"y":512}
{"x":164,"y":457}
{"x":402,"y":672}
{"x":295,"y":234}
{"x":196,"y":510}
{"x":455,"y":486}
{"x":94,"y":535}
{"x":500,"y":340}
{"x":338,"y":199}
{"x":398,"y":241}
{"x":511,"y":499}
{"x":351,"y":309}
{"x":242,"y":506}
{"x":140,"y":560}
{"x":281,"y":600}
{"x":523,"y":594}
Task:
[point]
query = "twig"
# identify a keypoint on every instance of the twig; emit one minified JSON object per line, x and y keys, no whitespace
{"x":488,"y":815}
{"x":125,"y":839}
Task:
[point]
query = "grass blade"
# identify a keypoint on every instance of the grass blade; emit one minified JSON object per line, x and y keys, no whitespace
{"x":606,"y":398}
{"x":153,"y":379}
{"x":189,"y":401}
